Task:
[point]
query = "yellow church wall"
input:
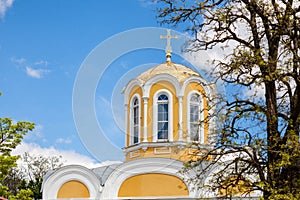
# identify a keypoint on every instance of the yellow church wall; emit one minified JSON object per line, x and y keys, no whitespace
{"x":135,"y":90}
{"x":193,"y":86}
{"x":176,"y":153}
{"x":151,"y":184}
{"x":73,"y":189}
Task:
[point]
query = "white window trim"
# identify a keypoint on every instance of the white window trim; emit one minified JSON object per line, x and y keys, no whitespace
{"x":131,"y":134}
{"x":201,"y":114}
{"x":170,"y":115}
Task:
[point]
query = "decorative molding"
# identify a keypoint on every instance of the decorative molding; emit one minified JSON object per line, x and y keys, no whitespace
{"x":162,"y":150}
{"x":145,"y":145}
{"x":134,"y":154}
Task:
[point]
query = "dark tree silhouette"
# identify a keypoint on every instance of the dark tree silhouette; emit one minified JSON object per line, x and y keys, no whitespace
{"x":259,"y":132}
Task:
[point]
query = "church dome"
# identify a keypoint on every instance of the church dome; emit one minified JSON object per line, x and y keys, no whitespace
{"x":180,"y":72}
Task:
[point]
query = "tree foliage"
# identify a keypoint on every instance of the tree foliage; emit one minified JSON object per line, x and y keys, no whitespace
{"x":29,"y":174}
{"x":258,"y":133}
{"x":11,"y":135}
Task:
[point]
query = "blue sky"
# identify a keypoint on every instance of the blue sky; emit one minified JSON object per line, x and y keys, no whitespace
{"x":42,"y":46}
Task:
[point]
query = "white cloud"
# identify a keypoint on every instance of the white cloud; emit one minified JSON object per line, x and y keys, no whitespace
{"x":4,"y":5}
{"x":69,"y":157}
{"x":36,"y":134}
{"x":36,"y":73}
{"x":41,"y":62}
{"x":147,"y":3}
{"x":67,"y":140}
{"x":255,"y":92}
{"x":18,"y":60}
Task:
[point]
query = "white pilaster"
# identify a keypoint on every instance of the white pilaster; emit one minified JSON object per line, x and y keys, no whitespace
{"x":180,"y":119}
{"x":145,"y":118}
{"x":127,"y":133}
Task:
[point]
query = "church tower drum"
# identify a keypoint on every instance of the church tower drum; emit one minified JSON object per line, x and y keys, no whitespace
{"x":166,"y":108}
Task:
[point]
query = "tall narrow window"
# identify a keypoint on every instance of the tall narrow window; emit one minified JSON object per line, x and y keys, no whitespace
{"x":162,"y":117}
{"x":195,"y":104}
{"x":135,"y":121}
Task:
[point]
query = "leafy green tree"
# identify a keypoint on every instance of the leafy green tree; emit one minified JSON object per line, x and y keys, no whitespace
{"x":28,"y":175}
{"x":13,"y":179}
{"x":22,"y":195}
{"x":259,"y":133}
{"x":35,"y":167}
{"x":11,"y":135}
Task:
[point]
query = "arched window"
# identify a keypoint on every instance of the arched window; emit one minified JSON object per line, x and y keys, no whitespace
{"x":162,"y":117}
{"x":136,"y":116}
{"x":195,"y":129}
{"x":135,"y":120}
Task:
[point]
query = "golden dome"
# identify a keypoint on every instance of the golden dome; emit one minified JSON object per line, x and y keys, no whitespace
{"x":180,"y":72}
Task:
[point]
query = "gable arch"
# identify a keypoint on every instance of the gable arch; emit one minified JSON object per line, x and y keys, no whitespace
{"x":56,"y":180}
{"x":160,"y":77}
{"x":144,"y":166}
{"x":128,"y":89}
{"x":208,"y":87}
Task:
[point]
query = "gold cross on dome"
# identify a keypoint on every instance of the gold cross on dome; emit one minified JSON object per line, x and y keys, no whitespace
{"x":168,"y":47}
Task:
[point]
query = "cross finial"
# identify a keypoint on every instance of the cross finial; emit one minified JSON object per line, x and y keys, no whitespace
{"x":168,"y":47}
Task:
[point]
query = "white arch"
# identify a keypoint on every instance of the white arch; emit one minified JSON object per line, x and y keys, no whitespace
{"x":170,"y":114}
{"x":142,"y":166}
{"x":128,"y":88}
{"x":79,"y":173}
{"x":161,"y":77}
{"x":209,"y":88}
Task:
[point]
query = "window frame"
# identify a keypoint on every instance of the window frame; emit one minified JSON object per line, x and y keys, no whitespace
{"x":155,"y":115}
{"x":132,"y":124}
{"x":200,"y":114}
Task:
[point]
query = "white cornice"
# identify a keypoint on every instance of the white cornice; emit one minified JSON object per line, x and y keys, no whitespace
{"x":179,"y":144}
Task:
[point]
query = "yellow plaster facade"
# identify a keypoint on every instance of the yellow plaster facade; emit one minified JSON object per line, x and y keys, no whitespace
{"x":146,"y":185}
{"x":73,"y":189}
